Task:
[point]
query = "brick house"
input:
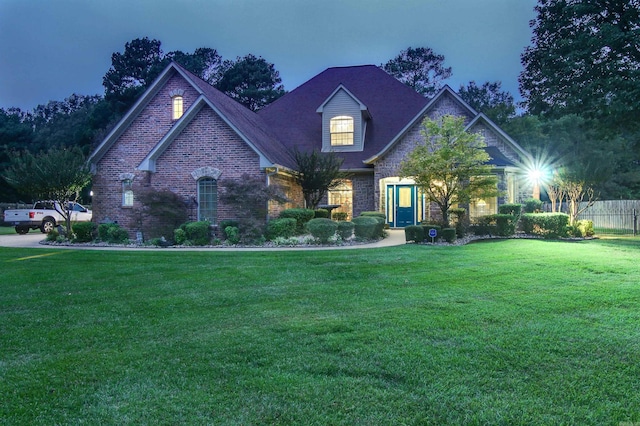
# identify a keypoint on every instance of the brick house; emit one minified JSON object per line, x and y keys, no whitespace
{"x":186,"y":136}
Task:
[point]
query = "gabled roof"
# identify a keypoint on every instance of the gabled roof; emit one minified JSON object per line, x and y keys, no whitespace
{"x":363,"y":107}
{"x":524,"y":155}
{"x":246,"y":123}
{"x":295,"y":122}
{"x":418,"y":117}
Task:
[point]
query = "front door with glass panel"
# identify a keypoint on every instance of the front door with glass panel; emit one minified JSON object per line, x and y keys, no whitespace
{"x":401,"y":205}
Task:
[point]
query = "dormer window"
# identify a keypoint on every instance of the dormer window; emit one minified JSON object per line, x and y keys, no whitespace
{"x":341,"y":130}
{"x":176,"y":107}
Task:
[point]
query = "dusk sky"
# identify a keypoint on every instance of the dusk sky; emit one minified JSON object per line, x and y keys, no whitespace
{"x":50,"y":49}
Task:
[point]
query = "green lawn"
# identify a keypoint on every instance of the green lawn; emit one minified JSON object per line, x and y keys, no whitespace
{"x":507,"y":332}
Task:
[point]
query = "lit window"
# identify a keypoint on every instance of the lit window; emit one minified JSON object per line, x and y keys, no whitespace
{"x":177,"y":109}
{"x":342,"y":195}
{"x":341,"y":129}
{"x":207,"y":199}
{"x":127,"y":193}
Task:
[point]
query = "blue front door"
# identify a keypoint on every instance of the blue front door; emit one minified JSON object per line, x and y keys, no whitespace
{"x":405,"y":196}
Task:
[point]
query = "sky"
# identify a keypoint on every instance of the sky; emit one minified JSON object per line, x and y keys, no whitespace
{"x":50,"y":49}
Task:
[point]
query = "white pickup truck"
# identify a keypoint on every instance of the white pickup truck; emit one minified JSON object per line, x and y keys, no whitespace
{"x":44,"y":215}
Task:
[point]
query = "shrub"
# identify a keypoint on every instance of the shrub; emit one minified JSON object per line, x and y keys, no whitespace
{"x":485,"y":225}
{"x":321,"y":213}
{"x":375,"y":214}
{"x":53,"y":235}
{"x":414,"y":233}
{"x":322,"y":229}
{"x":160,"y":212}
{"x":586,"y":228}
{"x":381,"y":222}
{"x":180,"y":236}
{"x":547,"y":225}
{"x":223,"y":224}
{"x":83,"y":231}
{"x":281,"y":228}
{"x":233,"y":234}
{"x":449,"y":234}
{"x":365,"y":227}
{"x":302,"y":216}
{"x":505,"y":224}
{"x":512,"y":209}
{"x":532,"y":205}
{"x":339,"y":216}
{"x":112,"y":233}
{"x":345,"y":230}
{"x":198,"y":233}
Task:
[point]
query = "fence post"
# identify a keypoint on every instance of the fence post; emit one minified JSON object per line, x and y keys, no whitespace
{"x":635,"y":222}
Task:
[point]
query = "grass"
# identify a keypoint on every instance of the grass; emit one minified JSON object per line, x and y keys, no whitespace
{"x":508,"y":332}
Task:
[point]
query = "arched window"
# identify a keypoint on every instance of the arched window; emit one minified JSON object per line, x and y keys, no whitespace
{"x":341,"y":130}
{"x":207,"y":199}
{"x":177,"y":108}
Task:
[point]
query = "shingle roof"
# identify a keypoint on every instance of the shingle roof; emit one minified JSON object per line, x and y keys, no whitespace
{"x":243,"y":119}
{"x":294,"y":121}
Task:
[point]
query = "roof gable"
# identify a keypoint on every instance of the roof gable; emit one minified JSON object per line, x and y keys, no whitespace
{"x":243,"y":121}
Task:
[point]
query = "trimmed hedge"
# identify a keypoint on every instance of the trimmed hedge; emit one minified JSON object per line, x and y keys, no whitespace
{"x":449,"y":234}
{"x":302,"y":216}
{"x":84,"y":232}
{"x":321,"y":213}
{"x":339,"y":216}
{"x":284,"y":227}
{"x":345,"y":229}
{"x":532,"y":205}
{"x":366,"y":227}
{"x":197,"y":233}
{"x":512,"y":209}
{"x":112,"y":233}
{"x":414,"y":233}
{"x":547,"y":225}
{"x":322,"y":228}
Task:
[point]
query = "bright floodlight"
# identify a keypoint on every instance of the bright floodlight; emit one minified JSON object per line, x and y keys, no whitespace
{"x":535,"y":174}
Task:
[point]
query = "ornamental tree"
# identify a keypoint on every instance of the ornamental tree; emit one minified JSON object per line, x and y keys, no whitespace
{"x":450,"y":166}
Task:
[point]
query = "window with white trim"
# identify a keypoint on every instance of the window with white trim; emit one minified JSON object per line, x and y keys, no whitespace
{"x":341,"y":130}
{"x":127,"y":193}
{"x":176,"y":107}
{"x":207,"y":199}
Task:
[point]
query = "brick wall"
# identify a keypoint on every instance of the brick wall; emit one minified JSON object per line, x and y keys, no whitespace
{"x":205,"y":142}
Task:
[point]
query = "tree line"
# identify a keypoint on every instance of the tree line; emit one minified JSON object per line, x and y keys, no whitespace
{"x":580,"y":84}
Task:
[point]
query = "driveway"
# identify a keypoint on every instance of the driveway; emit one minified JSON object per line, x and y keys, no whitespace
{"x":395,"y":237}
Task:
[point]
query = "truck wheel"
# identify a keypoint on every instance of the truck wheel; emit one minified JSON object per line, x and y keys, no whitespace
{"x":47,"y":226}
{"x":22,"y":230}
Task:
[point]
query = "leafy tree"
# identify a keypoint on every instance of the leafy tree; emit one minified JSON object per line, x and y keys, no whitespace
{"x":132,"y":71}
{"x":249,"y":198}
{"x":451,"y":165}
{"x":58,"y":174}
{"x":489,"y":99}
{"x":419,"y":68}
{"x":584,"y":59}
{"x":203,"y":62}
{"x":316,"y":173}
{"x":252,"y":81}
{"x":15,"y":134}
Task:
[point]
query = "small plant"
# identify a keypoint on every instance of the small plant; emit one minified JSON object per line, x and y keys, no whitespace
{"x":281,"y":228}
{"x":345,"y":230}
{"x":302,"y":216}
{"x":322,"y":229}
{"x":449,"y":235}
{"x":53,"y":235}
{"x":198,"y":233}
{"x":83,"y":232}
{"x":112,"y":233}
{"x":414,"y":233}
{"x":233,"y":234}
{"x":532,"y":205}
{"x":180,"y":236}
{"x":340,"y":216}
{"x":366,"y":227}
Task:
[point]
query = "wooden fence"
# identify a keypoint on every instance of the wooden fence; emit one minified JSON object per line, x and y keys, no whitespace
{"x":619,"y":217}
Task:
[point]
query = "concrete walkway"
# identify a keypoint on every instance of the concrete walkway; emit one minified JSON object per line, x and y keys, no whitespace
{"x":395,"y":237}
